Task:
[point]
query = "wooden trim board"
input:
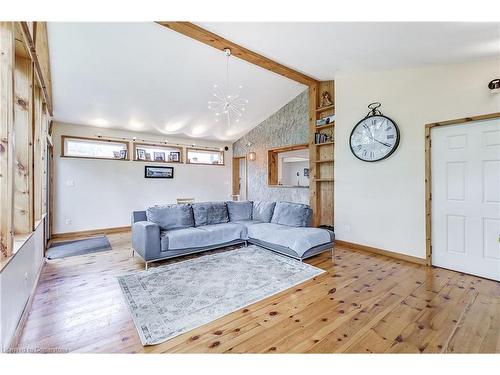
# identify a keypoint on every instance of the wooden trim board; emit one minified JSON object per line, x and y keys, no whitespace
{"x":375,"y":250}
{"x":428,"y":173}
{"x":91,"y":232}
{"x":204,"y":36}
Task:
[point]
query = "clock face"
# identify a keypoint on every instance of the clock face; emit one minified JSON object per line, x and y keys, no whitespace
{"x":374,"y":138}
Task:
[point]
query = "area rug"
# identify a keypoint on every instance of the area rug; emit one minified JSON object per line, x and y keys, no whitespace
{"x":169,"y":300}
{"x":78,"y":247}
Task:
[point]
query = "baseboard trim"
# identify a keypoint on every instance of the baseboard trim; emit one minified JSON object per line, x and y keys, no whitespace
{"x":92,"y":232}
{"x":24,"y":316}
{"x":387,"y":253}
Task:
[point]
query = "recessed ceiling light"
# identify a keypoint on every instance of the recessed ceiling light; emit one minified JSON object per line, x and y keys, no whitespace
{"x":99,"y":122}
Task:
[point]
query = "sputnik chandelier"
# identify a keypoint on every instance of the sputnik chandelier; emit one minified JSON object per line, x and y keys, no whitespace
{"x":226,"y":106}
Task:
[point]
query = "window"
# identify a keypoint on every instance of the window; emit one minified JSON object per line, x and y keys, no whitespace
{"x":288,"y":166}
{"x":157,"y":153}
{"x":212,"y":157}
{"x":77,"y":147}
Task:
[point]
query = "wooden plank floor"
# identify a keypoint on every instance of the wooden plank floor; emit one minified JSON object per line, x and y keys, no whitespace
{"x":364,"y":303}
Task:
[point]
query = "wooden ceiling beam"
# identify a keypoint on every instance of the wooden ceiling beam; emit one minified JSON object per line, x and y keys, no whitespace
{"x":193,"y":31}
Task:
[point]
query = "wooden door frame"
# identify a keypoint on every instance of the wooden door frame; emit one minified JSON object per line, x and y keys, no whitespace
{"x":428,"y":173}
{"x":236,"y":159}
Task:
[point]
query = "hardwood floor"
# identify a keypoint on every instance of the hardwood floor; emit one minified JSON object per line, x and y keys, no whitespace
{"x":364,"y":303}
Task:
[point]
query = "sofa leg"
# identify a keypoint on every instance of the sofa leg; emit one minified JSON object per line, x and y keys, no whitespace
{"x":246,"y":243}
{"x":146,"y":266}
{"x":133,"y":253}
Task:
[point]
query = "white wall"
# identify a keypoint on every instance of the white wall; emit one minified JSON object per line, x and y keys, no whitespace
{"x":105,"y":192}
{"x":17,"y":281}
{"x":290,"y":170}
{"x":382,"y":204}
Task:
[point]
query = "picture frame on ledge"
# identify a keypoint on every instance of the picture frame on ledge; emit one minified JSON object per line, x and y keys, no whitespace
{"x":141,"y":154}
{"x":174,"y":157}
{"x":159,"y":156}
{"x":158,"y":172}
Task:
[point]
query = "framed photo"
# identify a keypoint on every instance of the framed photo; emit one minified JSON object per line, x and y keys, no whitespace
{"x":141,"y":154}
{"x":306,"y":172}
{"x":159,"y":156}
{"x":174,"y":156}
{"x":116,"y":154}
{"x":158,"y":172}
{"x":123,"y":154}
{"x":148,"y":156}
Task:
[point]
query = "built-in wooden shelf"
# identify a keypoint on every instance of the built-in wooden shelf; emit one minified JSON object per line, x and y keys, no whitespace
{"x":321,"y":158}
{"x":323,"y":180}
{"x":324,"y":161}
{"x":323,"y":144}
{"x":323,"y":109}
{"x":326,"y":126}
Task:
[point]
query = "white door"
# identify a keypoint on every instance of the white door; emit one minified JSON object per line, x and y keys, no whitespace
{"x":466,"y":198}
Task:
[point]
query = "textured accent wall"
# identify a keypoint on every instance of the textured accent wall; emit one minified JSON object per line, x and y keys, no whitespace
{"x":288,"y":126}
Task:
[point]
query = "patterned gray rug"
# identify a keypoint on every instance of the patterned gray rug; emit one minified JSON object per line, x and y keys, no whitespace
{"x":170,"y":300}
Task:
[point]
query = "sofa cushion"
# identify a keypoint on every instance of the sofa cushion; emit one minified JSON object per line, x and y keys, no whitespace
{"x":239,"y":210}
{"x":222,"y":233}
{"x":263,"y":211}
{"x":292,"y":214}
{"x":182,"y":238}
{"x":207,"y":235}
{"x":208,"y":213}
{"x":299,"y":240}
{"x":171,"y":216}
{"x":245,"y":224}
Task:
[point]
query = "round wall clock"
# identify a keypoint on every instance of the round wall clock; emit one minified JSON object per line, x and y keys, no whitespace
{"x":375,"y":137}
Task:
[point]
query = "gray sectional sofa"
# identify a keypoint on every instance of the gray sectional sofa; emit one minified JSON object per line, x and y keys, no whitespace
{"x":168,"y":231}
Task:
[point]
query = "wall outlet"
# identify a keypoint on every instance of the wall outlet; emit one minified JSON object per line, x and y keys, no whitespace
{"x":70,"y":183}
{"x":347,"y":228}
{"x":68,"y":221}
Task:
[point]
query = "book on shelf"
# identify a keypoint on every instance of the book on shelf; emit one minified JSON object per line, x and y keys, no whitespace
{"x":322,"y":138}
{"x":325,"y":120}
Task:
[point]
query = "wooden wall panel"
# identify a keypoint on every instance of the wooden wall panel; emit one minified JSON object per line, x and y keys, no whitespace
{"x":42,"y":52}
{"x":43,"y":159}
{"x":313,"y":155}
{"x":23,"y":170}
{"x":37,"y":152}
{"x":7,"y":55}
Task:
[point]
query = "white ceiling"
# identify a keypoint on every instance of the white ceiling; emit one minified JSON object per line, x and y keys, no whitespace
{"x":321,"y":49}
{"x":147,"y":78}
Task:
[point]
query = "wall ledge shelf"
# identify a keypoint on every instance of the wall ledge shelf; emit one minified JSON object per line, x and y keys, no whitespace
{"x":324,"y":161}
{"x":324,"y":144}
{"x":324,"y":109}
{"x":326,"y":126}
{"x":323,"y":180}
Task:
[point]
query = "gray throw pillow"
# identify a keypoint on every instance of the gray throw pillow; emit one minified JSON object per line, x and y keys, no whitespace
{"x":171,"y":216}
{"x":210,"y":213}
{"x":292,"y":214}
{"x":239,"y":211}
{"x":263,"y":211}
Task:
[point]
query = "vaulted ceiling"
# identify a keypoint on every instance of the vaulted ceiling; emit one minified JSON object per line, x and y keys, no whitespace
{"x":147,"y":78}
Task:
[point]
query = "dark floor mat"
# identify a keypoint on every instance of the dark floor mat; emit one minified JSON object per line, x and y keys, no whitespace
{"x":78,"y":247}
